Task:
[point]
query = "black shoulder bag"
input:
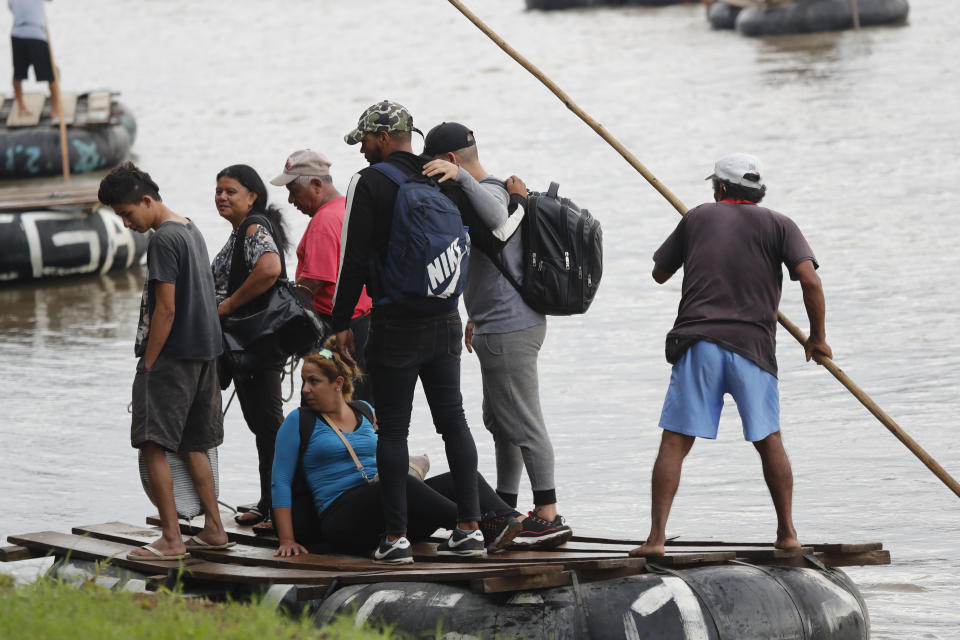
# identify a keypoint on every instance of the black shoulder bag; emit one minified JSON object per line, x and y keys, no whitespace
{"x":276,"y":325}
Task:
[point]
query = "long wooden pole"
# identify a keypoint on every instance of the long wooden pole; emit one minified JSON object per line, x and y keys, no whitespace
{"x":827,"y":363}
{"x":55,"y":95}
{"x":856,"y":14}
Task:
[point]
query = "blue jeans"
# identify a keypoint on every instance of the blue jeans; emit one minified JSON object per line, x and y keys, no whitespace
{"x":401,"y":350}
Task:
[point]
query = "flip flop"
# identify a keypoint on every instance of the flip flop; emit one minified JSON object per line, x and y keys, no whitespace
{"x":196,"y":543}
{"x":157,"y":555}
{"x":249,"y":522}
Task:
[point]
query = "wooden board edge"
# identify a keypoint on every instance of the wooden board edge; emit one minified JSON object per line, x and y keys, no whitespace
{"x":521,"y":583}
{"x":14,"y":553}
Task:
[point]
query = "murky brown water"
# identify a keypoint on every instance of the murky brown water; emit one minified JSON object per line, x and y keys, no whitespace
{"x":858,"y":133}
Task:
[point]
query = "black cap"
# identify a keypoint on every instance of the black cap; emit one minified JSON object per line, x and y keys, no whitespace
{"x":447,"y":136}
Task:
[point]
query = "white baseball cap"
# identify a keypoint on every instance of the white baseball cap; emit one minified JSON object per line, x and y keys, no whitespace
{"x":738,"y":168}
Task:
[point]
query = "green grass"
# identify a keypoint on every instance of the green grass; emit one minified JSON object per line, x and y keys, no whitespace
{"x":50,"y":609}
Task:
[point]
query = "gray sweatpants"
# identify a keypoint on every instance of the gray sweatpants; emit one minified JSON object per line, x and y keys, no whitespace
{"x":511,"y":407}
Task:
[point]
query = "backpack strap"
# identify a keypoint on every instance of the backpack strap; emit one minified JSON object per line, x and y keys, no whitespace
{"x":364,"y":408}
{"x":308,"y":422}
{"x":392,"y":171}
{"x":238,"y":270}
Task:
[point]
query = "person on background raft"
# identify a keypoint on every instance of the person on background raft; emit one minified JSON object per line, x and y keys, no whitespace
{"x":241,"y":193}
{"x":724,"y":337}
{"x":28,"y":39}
{"x":306,"y":175}
{"x":346,"y":512}
{"x":176,"y":397}
{"x":409,"y":339}
{"x":505,"y":332}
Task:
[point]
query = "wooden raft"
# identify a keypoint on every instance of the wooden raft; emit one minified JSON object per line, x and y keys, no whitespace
{"x":252,"y":561}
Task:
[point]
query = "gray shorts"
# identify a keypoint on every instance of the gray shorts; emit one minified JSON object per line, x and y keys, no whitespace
{"x":177,"y":405}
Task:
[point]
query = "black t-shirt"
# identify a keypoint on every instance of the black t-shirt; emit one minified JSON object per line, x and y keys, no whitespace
{"x":367,"y":221}
{"x":731,"y":256}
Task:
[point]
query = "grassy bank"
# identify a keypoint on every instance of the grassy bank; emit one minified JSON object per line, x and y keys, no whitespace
{"x":52,"y":610}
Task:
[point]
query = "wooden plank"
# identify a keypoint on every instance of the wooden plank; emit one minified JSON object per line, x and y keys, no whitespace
{"x":520,"y":583}
{"x":428,"y":551}
{"x":119,"y":532}
{"x":254,"y":556}
{"x":832,"y":559}
{"x":256,"y":575}
{"x":15,"y":552}
{"x":604,"y":564}
{"x":50,"y":191}
{"x":234,"y":531}
{"x":34,"y":103}
{"x":677,"y":541}
{"x":20,"y":205}
{"x":98,"y":107}
{"x":86,"y":548}
{"x":692,"y":559}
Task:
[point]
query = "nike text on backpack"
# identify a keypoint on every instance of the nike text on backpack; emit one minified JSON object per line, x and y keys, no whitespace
{"x":428,"y":251}
{"x":562,"y":255}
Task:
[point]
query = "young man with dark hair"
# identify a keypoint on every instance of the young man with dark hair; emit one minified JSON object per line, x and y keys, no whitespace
{"x":724,"y":338}
{"x":176,"y":395}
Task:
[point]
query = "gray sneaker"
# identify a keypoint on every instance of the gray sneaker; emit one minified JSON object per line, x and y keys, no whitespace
{"x":396,"y":552}
{"x":463,"y":543}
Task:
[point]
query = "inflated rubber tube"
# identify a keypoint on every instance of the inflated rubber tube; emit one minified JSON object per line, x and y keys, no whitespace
{"x":35,"y":151}
{"x":809,"y":16}
{"x":722,"y":15}
{"x":708,"y":603}
{"x":65,"y":242}
{"x":550,"y":5}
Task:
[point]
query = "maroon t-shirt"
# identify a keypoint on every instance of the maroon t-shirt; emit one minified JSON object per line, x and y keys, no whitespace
{"x":731,"y":255}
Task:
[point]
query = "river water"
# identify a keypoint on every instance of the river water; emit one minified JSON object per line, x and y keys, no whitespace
{"x":858,"y":133}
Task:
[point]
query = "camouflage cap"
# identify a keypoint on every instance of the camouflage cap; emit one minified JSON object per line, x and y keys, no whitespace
{"x":383,"y":116}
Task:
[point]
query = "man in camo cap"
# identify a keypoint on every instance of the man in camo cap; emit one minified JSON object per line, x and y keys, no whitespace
{"x":407,"y":342}
{"x":386,"y":116}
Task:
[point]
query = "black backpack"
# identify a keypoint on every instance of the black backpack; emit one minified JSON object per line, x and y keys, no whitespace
{"x":562,"y":255}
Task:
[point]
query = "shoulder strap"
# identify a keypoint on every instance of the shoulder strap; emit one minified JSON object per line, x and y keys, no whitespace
{"x":238,"y":271}
{"x":364,"y":408}
{"x":392,"y":171}
{"x":308,"y":421}
{"x":353,"y":454}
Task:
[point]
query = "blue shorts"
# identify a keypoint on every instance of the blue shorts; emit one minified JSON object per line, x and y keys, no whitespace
{"x":695,"y":396}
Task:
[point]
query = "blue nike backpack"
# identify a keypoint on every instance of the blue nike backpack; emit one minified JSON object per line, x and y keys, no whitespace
{"x":429,"y":247}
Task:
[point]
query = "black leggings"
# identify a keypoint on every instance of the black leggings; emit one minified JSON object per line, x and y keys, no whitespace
{"x":261,"y":401}
{"x":355,"y":522}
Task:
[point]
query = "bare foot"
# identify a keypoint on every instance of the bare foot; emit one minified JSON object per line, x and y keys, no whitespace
{"x":212,"y":536}
{"x":647,"y":551}
{"x":787,"y":543}
{"x":162,"y":546}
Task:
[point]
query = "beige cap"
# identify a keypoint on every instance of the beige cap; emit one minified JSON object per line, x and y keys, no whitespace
{"x":303,"y":163}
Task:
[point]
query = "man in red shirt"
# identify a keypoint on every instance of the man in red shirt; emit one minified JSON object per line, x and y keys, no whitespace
{"x":306,"y":175}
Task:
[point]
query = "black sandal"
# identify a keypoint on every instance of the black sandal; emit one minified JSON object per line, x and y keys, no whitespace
{"x":257,"y":518}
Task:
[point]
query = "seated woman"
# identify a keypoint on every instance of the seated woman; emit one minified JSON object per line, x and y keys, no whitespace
{"x":345,"y":511}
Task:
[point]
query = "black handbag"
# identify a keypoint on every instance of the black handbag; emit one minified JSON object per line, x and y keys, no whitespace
{"x":279,"y":323}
